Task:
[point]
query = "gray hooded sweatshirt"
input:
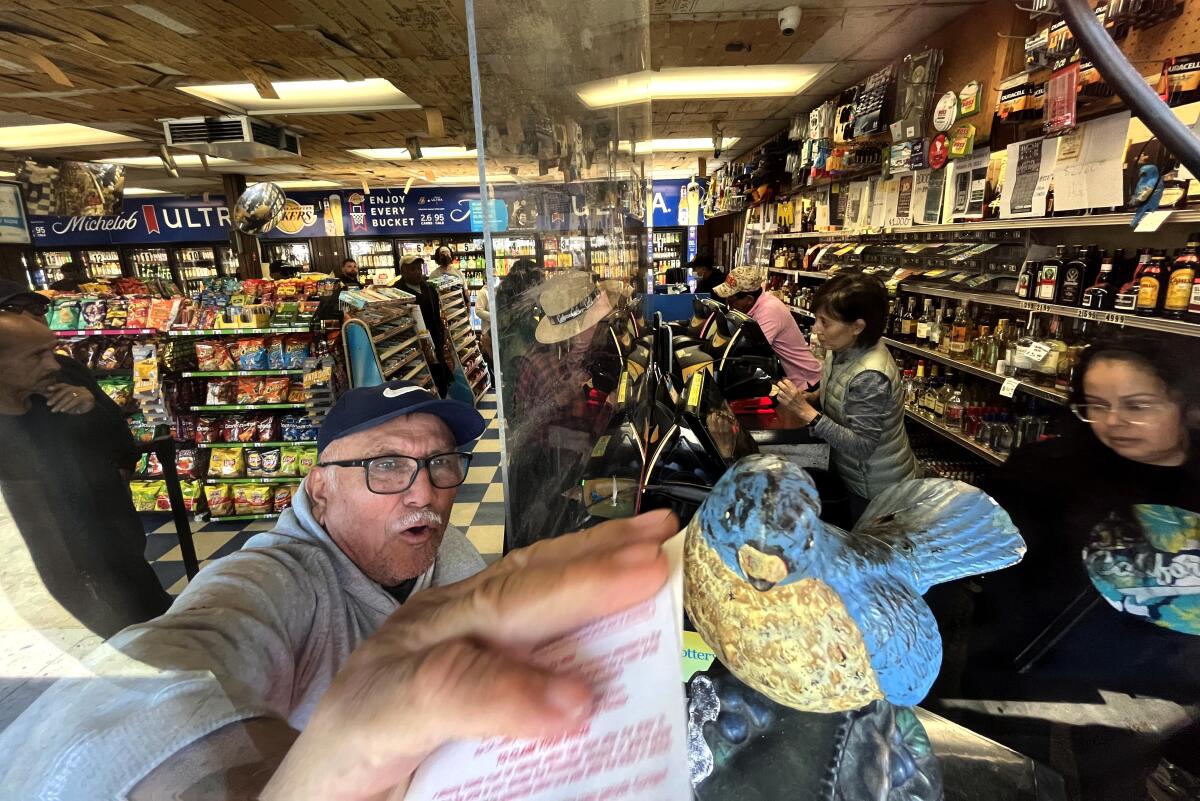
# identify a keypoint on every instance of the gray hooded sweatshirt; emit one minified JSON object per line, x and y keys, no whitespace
{"x":258,"y":633}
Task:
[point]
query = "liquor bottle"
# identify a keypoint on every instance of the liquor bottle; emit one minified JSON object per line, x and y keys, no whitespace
{"x":1126,"y":298}
{"x":908,"y":323}
{"x":916,"y":386}
{"x":1100,"y":296}
{"x":1183,"y":276}
{"x":1070,"y":285}
{"x":979,"y":346}
{"x":1050,"y":275}
{"x":960,"y":339}
{"x":995,"y":346}
{"x":1046,"y":370}
{"x":955,"y":409}
{"x":1152,"y":284}
{"x":923,"y":323}
{"x":938,"y":402}
{"x":1023,"y":368}
{"x":1027,"y":279}
{"x":936,"y":331}
{"x":894,"y":319}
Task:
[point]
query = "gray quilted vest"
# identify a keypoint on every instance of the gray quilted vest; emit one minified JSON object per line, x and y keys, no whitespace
{"x":893,"y":459}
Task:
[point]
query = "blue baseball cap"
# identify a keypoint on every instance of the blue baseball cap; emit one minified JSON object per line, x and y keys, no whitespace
{"x":366,"y":407}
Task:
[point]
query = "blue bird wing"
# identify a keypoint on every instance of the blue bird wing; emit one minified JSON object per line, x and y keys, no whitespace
{"x":943,"y":530}
{"x":900,"y":633}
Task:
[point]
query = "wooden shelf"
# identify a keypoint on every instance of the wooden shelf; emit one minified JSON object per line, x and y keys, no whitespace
{"x":979,"y":372}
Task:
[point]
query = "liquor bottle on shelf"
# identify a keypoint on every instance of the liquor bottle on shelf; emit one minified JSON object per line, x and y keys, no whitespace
{"x":979,"y":346}
{"x":1182,"y":279}
{"x":1046,"y":370}
{"x":908,"y":323}
{"x":936,"y":330}
{"x":924,"y":322}
{"x":1027,"y":280}
{"x":1050,"y":275}
{"x":1070,"y":286}
{"x":1100,"y":295}
{"x":1126,"y":297}
{"x":916,"y":386}
{"x":955,"y":409}
{"x":960,"y":340}
{"x":1152,"y":284}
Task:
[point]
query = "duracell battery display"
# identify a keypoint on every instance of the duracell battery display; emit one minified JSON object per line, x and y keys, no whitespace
{"x":1181,"y":79}
{"x":1021,"y":102}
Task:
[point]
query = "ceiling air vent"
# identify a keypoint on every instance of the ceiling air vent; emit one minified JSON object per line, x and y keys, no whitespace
{"x":240,"y":138}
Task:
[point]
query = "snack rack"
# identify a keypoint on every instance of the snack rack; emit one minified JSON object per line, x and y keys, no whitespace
{"x":385,"y":337}
{"x":456,"y":316}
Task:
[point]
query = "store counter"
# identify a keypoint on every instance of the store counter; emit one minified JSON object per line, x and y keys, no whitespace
{"x":778,"y":430}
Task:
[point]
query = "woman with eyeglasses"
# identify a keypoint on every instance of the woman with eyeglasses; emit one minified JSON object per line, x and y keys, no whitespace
{"x":1107,"y":599}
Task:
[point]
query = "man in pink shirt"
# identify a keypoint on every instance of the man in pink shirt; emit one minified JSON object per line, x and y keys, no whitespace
{"x":743,"y":291}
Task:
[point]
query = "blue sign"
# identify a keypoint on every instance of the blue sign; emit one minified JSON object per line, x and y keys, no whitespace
{"x":142,"y":221}
{"x":672,"y":202}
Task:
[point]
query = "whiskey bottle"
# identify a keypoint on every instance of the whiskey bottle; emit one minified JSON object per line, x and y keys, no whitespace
{"x":1126,"y":297}
{"x":961,"y":340}
{"x":1152,"y":284}
{"x":1181,"y":279}
{"x":924,"y":322}
{"x":908,"y":323}
{"x":1099,"y":296}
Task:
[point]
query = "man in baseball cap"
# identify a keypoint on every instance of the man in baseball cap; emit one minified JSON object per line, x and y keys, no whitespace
{"x":16,"y":298}
{"x":742,"y":291}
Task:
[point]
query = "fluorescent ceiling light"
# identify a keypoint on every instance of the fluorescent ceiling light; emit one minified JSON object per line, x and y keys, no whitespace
{"x":307,"y":97}
{"x":142,"y":191}
{"x":56,"y":134}
{"x":687,"y":83}
{"x":473,"y":180}
{"x":303,"y":183}
{"x":181,"y":160}
{"x":677,"y":145}
{"x":7,"y":174}
{"x":402,"y":154}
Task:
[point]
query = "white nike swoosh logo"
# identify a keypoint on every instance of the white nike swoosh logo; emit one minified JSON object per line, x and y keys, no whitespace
{"x":398,"y":391}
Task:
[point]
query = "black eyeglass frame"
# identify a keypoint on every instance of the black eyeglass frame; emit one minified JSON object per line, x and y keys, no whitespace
{"x":422,"y":463}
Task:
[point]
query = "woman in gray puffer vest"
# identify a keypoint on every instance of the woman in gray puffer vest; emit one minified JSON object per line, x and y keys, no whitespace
{"x":861,"y":398}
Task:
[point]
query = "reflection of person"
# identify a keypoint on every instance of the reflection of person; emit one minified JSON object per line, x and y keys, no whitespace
{"x":1138,"y":398}
{"x":412,"y":279}
{"x":517,"y":315}
{"x":708,"y":276}
{"x":742,"y":290}
{"x":65,"y":443}
{"x":862,"y":410}
{"x":72,"y":276}
{"x":248,"y":652}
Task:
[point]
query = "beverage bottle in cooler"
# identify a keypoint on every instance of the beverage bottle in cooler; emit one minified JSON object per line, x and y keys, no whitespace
{"x":1181,"y":279}
{"x":1050,"y":275}
{"x":1126,"y":297}
{"x":1152,"y":285}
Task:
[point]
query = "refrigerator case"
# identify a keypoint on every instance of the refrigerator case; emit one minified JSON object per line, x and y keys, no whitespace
{"x":151,"y":264}
{"x":47,"y":267}
{"x":297,"y":253}
{"x":195,"y":264}
{"x":668,"y":248}
{"x":227,"y":261}
{"x":101,"y":263}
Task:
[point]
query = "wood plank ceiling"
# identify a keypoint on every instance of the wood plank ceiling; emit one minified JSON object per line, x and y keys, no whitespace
{"x":115,"y":65}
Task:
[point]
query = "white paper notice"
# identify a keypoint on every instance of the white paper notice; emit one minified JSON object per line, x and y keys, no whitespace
{"x":1028,"y":172}
{"x":635,"y":746}
{"x":1009,"y":387}
{"x":1088,"y":174}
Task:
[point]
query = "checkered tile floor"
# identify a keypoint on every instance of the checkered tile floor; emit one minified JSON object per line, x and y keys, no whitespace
{"x":478,"y":511}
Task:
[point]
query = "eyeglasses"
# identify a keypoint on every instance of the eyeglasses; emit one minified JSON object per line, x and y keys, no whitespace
{"x":388,"y":475}
{"x":34,"y":307}
{"x":1138,"y":413}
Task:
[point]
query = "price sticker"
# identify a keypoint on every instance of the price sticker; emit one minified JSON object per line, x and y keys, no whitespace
{"x":1009,"y":387}
{"x":1036,"y":352}
{"x":1152,"y":221}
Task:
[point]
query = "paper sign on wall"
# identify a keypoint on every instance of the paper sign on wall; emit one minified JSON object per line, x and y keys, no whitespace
{"x":1027,"y":178}
{"x":1088,"y":170}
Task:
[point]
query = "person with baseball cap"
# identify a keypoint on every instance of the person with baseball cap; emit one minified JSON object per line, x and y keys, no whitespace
{"x":334,"y":653}
{"x":742,"y":290}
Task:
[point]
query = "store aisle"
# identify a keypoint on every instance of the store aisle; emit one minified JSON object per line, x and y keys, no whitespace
{"x":478,"y":511}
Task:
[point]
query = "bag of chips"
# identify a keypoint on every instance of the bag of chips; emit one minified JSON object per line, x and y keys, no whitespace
{"x":142,"y":430}
{"x":275,"y":390}
{"x":119,"y":390}
{"x":251,"y":354}
{"x":226,"y":463}
{"x":145,"y":494}
{"x":295,"y":392}
{"x":64,"y":315}
{"x":91,"y":313}
{"x":295,"y":351}
{"x":271,"y":459}
{"x":193,"y":491}
{"x":222,"y":391}
{"x":288,"y":464}
{"x":254,"y":463}
{"x":250,"y":389}
{"x":213,"y":355}
{"x":245,"y":429}
{"x":219,"y":498}
{"x":117,"y":313}
{"x":207,"y":429}
{"x":139,"y":312}
{"x":283,"y":496}
{"x":267,"y":428}
{"x":162,"y":313}
{"x":187,"y":463}
{"x":306,"y":460}
{"x":275,"y":353}
{"x":252,"y":499}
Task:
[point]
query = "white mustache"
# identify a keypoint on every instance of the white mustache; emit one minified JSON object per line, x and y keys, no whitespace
{"x":421,"y":517}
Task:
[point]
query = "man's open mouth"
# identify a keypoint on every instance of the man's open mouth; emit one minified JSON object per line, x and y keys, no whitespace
{"x":415,"y":535}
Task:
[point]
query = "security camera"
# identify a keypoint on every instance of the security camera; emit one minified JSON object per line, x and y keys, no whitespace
{"x":789,"y":20}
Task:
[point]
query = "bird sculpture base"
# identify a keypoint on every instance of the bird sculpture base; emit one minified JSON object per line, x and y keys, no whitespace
{"x":743,"y":745}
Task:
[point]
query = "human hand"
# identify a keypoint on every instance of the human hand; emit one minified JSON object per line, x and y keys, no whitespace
{"x":797,"y":400}
{"x":68,"y":399}
{"x":453,"y":662}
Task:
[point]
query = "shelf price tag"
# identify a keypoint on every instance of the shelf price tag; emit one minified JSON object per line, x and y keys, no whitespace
{"x":1152,"y":221}
{"x":1009,"y":387}
{"x":1036,"y":352}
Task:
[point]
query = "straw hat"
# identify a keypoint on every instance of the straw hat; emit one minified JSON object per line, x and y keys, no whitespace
{"x":572,"y":304}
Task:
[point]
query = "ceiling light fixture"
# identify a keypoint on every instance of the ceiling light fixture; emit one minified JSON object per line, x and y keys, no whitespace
{"x":306,"y":97}
{"x":181,"y":160}
{"x":143,"y":191}
{"x":678,"y":145}
{"x":303,"y":183}
{"x":473,"y":180}
{"x":7,"y":174}
{"x":689,"y":83}
{"x":402,"y":153}
{"x":57,"y":134}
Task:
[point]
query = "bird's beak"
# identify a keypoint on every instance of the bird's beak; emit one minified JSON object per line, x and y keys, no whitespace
{"x":764,"y":570}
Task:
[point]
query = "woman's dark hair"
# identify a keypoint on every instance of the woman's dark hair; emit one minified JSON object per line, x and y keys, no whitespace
{"x":1172,"y":359}
{"x":524,"y":275}
{"x":855,"y":297}
{"x":443,"y":260}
